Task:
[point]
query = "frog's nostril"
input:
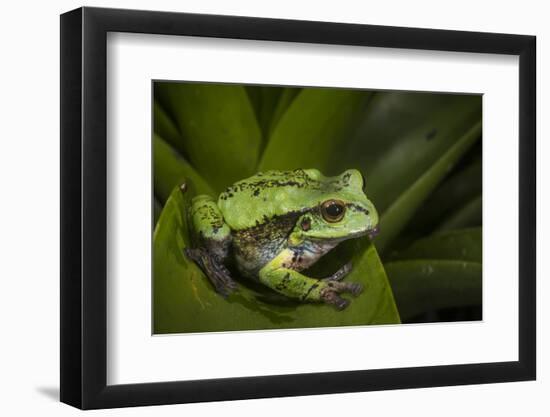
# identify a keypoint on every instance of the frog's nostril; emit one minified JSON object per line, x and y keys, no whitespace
{"x":363,"y":182}
{"x":373,"y":232}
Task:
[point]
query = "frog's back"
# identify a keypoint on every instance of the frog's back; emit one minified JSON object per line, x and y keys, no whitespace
{"x":263,"y":196}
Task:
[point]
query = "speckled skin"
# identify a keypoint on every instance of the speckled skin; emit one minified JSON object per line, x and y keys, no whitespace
{"x":275,"y":224}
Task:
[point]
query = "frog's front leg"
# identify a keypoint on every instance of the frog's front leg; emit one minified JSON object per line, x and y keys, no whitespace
{"x":280,"y":277}
{"x":340,"y":274}
{"x":213,"y":238}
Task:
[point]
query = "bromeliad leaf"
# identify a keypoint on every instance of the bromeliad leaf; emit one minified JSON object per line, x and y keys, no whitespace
{"x":221,"y":136}
{"x":456,"y":191}
{"x":184,"y":300}
{"x":401,"y":210}
{"x":470,"y":214}
{"x":402,"y":134}
{"x":315,"y":126}
{"x":285,"y":100}
{"x":460,"y":245}
{"x":428,"y":285}
{"x":264,"y":100}
{"x":441,"y":271}
{"x":157,"y":209}
{"x":165,"y":127}
{"x":171,"y":170}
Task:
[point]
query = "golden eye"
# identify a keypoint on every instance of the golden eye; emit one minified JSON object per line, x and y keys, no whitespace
{"x":333,"y":210}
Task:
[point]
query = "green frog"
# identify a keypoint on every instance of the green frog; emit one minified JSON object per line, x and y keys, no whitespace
{"x":276,"y":224}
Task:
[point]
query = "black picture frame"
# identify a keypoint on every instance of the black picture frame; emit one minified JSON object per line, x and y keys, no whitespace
{"x":84,"y":207}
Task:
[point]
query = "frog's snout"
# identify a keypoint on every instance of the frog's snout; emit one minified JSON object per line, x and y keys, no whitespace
{"x":373,"y":232}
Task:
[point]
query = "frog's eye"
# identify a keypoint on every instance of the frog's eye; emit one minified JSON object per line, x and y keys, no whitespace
{"x":333,"y":210}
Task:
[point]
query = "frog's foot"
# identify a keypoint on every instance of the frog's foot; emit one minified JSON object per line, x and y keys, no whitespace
{"x":330,"y":293}
{"x":214,"y":269}
{"x":340,"y":274}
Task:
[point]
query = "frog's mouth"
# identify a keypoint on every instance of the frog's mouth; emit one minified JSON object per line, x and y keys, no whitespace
{"x":371,"y":233}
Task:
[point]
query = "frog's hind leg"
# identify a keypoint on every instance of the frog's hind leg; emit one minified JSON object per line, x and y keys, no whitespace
{"x":214,"y":269}
{"x":213,"y":238}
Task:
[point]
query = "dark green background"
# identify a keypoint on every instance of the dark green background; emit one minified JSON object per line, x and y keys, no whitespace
{"x":419,"y":152}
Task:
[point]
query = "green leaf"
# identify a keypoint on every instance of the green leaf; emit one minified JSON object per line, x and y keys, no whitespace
{"x":255,"y":97}
{"x":461,"y":245}
{"x":470,"y":214}
{"x":285,"y":100}
{"x":184,"y":300}
{"x":221,"y":136}
{"x":165,"y":127}
{"x":398,"y":214}
{"x":264,"y":101}
{"x":315,"y":126}
{"x":455,"y":191}
{"x":440,"y":271}
{"x":429,"y":284}
{"x":157,"y":209}
{"x":402,"y":134}
{"x":171,"y":170}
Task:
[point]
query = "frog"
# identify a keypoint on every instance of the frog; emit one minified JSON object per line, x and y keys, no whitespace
{"x":275,"y":224}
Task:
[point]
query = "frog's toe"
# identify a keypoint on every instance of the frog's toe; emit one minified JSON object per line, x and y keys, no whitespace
{"x":331,"y":297}
{"x":330,"y":294}
{"x":342,"y":304}
{"x":340,"y":274}
{"x":354,"y":288}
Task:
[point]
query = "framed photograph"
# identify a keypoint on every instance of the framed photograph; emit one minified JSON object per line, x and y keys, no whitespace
{"x":258,"y":207}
